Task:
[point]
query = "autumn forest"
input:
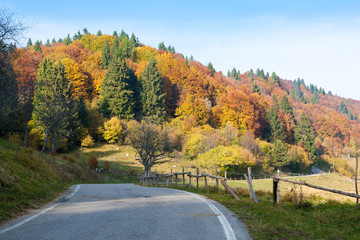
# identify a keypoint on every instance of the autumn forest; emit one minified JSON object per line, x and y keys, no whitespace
{"x":72,"y":92}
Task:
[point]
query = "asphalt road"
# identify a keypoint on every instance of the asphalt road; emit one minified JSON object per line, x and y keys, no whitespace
{"x":127,"y":211}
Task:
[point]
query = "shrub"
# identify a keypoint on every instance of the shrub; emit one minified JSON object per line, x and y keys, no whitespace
{"x":227,"y":156}
{"x":92,"y":162}
{"x":88,"y":141}
{"x":107,"y":165}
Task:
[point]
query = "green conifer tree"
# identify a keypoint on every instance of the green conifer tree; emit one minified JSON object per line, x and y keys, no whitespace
{"x":279,"y":156}
{"x":152,"y":96}
{"x":55,"y":110}
{"x":105,"y":55}
{"x":162,"y":46}
{"x":275,"y":131}
{"x":304,"y":133}
{"x":67,"y":40}
{"x":37,"y":46}
{"x":285,"y":106}
{"x":116,"y":91}
{"x":115,"y":48}
{"x":211,"y":68}
{"x":29,"y":44}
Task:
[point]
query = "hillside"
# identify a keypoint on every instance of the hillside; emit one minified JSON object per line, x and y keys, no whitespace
{"x":292,"y":124}
{"x":28,"y":179}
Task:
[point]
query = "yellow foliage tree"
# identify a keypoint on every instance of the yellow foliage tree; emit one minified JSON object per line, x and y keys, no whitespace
{"x":195,"y":107}
{"x":112,"y":130}
{"x":226,"y":157}
{"x":79,"y":80}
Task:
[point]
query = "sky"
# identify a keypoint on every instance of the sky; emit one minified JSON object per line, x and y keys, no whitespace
{"x":315,"y":40}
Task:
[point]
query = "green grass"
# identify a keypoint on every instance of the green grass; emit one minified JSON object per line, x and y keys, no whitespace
{"x":29,"y":180}
{"x":315,"y":218}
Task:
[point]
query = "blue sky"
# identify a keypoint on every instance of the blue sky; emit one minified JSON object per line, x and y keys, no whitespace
{"x":318,"y":41}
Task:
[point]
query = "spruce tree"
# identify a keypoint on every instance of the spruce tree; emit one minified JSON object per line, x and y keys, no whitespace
{"x":162,"y":46}
{"x":29,"y":44}
{"x":211,"y":68}
{"x":55,"y":110}
{"x":304,"y":134}
{"x":152,"y":96}
{"x":285,"y":106}
{"x":37,"y":46}
{"x":279,"y":155}
{"x":67,"y":40}
{"x":117,"y":91}
{"x":275,"y":131}
{"x":105,"y":55}
{"x":115,"y":48}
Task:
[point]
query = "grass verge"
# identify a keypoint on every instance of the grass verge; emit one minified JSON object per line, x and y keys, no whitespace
{"x":28,"y":180}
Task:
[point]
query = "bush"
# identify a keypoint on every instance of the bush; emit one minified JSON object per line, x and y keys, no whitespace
{"x":92,"y":162}
{"x":88,"y":141}
{"x":227,"y":157}
{"x":107,"y":165}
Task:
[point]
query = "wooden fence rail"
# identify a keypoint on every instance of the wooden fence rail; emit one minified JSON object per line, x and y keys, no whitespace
{"x":276,"y":188}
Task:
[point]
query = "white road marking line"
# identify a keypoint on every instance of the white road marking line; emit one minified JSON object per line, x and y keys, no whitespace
{"x":229,"y":232}
{"x":38,"y":214}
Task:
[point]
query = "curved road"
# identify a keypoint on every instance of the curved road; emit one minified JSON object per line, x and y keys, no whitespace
{"x":128,"y":211}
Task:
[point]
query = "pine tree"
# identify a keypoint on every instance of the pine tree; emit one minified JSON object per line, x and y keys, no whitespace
{"x":211,"y":68}
{"x":77,"y":36}
{"x":86,"y":32}
{"x":29,"y":44}
{"x":162,"y":46}
{"x":152,"y":96}
{"x":117,"y":91}
{"x":285,"y":106}
{"x":279,"y":155}
{"x":275,"y":131}
{"x":67,"y":40}
{"x":304,"y":134}
{"x":105,"y":55}
{"x":115,"y":33}
{"x":37,"y":46}
{"x":54,"y":108}
{"x":115,"y":48}
{"x":48,"y":44}
{"x":99,"y":33}
{"x":251,"y":73}
{"x":276,"y":101}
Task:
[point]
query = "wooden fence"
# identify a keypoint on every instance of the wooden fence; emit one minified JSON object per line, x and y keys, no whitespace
{"x":168,"y":179}
{"x":276,"y":188}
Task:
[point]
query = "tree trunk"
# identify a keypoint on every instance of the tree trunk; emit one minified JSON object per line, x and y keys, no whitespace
{"x":26,"y":129}
{"x":45,"y":141}
{"x":52,"y":144}
{"x":10,"y":140}
{"x":147,"y":173}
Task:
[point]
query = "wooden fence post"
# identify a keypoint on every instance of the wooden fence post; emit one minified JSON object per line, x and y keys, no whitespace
{"x":162,"y":178}
{"x":275,"y":186}
{"x":197,"y":178}
{"x":171,"y":178}
{"x":189,"y":180}
{"x":176,"y":178}
{"x":183,"y":177}
{"x":217,"y":180}
{"x":205,"y":182}
{"x":156,"y":179}
{"x":356,"y":179}
{"x":250,"y":181}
